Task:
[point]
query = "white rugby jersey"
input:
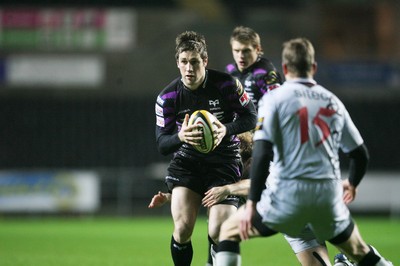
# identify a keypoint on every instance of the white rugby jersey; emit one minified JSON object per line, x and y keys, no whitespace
{"x":307,"y":125}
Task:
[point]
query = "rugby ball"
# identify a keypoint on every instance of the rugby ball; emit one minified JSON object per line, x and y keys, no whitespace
{"x":205,"y":121}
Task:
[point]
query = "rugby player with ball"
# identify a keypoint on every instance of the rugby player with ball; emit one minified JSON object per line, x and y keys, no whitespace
{"x":192,"y":172}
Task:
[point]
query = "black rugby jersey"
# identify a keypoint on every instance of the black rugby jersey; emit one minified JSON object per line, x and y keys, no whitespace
{"x":257,"y":79}
{"x":220,"y":94}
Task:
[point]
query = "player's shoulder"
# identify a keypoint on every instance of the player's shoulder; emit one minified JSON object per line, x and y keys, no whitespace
{"x":220,"y":78}
{"x":170,"y":91}
{"x":263,"y":64}
{"x":231,"y":69}
{"x":326,"y":91}
{"x":264,"y":69}
{"x":172,"y":86}
{"x":279,"y":94}
{"x":216,"y":74}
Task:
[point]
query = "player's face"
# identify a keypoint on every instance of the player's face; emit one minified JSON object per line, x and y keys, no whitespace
{"x":192,"y":68}
{"x":244,"y":54}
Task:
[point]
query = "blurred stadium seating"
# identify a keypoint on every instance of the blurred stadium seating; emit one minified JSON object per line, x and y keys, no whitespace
{"x":103,"y":121}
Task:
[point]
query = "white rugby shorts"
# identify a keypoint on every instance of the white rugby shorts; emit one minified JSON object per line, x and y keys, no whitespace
{"x":305,"y":242}
{"x":290,"y":206}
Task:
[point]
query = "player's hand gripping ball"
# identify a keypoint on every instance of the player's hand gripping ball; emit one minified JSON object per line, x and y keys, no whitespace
{"x":205,"y":121}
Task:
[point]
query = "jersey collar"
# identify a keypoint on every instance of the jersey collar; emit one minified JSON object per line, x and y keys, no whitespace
{"x":306,"y":81}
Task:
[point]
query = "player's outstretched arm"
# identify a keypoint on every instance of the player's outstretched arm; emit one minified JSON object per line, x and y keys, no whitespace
{"x":217,"y":194}
{"x":159,"y":199}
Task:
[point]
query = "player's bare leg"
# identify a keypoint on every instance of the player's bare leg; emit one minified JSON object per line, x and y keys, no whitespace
{"x":216,"y":216}
{"x":185,"y":205}
{"x":314,"y":257}
{"x":357,"y":250}
{"x":230,"y":239}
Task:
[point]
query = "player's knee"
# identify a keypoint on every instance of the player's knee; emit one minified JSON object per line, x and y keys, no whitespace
{"x":183,"y":232}
{"x":229,"y":231}
{"x":214,"y":234}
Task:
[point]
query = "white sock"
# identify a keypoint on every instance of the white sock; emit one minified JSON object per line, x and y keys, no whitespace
{"x":382,"y":261}
{"x":226,"y":258}
{"x":213,"y":254}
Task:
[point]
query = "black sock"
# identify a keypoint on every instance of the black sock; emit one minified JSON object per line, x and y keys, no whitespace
{"x":182,"y":254}
{"x":211,"y":244}
{"x":370,"y":259}
{"x":230,"y":246}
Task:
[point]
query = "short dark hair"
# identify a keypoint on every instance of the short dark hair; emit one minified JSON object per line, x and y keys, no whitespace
{"x":191,"y":41}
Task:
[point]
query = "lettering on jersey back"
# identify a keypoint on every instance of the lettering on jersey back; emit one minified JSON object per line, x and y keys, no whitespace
{"x":312,"y":95}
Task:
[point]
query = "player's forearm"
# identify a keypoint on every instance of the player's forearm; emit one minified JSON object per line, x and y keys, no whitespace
{"x":262,"y":156}
{"x":167,"y":143}
{"x":245,"y":122}
{"x":359,"y":159}
{"x":240,"y":188}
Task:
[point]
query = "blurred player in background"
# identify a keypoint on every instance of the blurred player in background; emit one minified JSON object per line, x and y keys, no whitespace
{"x":190,"y":172}
{"x":256,"y":73}
{"x":305,"y":193}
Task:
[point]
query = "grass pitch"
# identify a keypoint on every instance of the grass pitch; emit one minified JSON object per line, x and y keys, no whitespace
{"x":145,"y":241}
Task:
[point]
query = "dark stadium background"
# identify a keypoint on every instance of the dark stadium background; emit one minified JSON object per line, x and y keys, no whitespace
{"x":109,"y":129}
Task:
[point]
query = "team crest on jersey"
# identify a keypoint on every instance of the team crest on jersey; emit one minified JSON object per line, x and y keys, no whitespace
{"x":259,"y":123}
{"x":213,"y":103}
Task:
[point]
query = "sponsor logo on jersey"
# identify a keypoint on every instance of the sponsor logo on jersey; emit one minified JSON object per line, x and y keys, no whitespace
{"x":160,"y":101}
{"x":259,"y":123}
{"x":219,"y":115}
{"x":244,"y":99}
{"x":160,"y":121}
{"x":159,"y":111}
{"x":239,"y":87}
{"x":213,"y":103}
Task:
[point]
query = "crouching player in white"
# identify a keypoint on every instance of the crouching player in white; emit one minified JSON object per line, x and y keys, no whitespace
{"x":301,"y":127}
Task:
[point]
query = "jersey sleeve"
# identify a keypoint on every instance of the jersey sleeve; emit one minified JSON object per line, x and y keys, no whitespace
{"x":270,"y":81}
{"x":166,"y":130}
{"x":351,"y":137}
{"x":244,"y":108}
{"x":267,"y":77}
{"x":267,"y":119}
